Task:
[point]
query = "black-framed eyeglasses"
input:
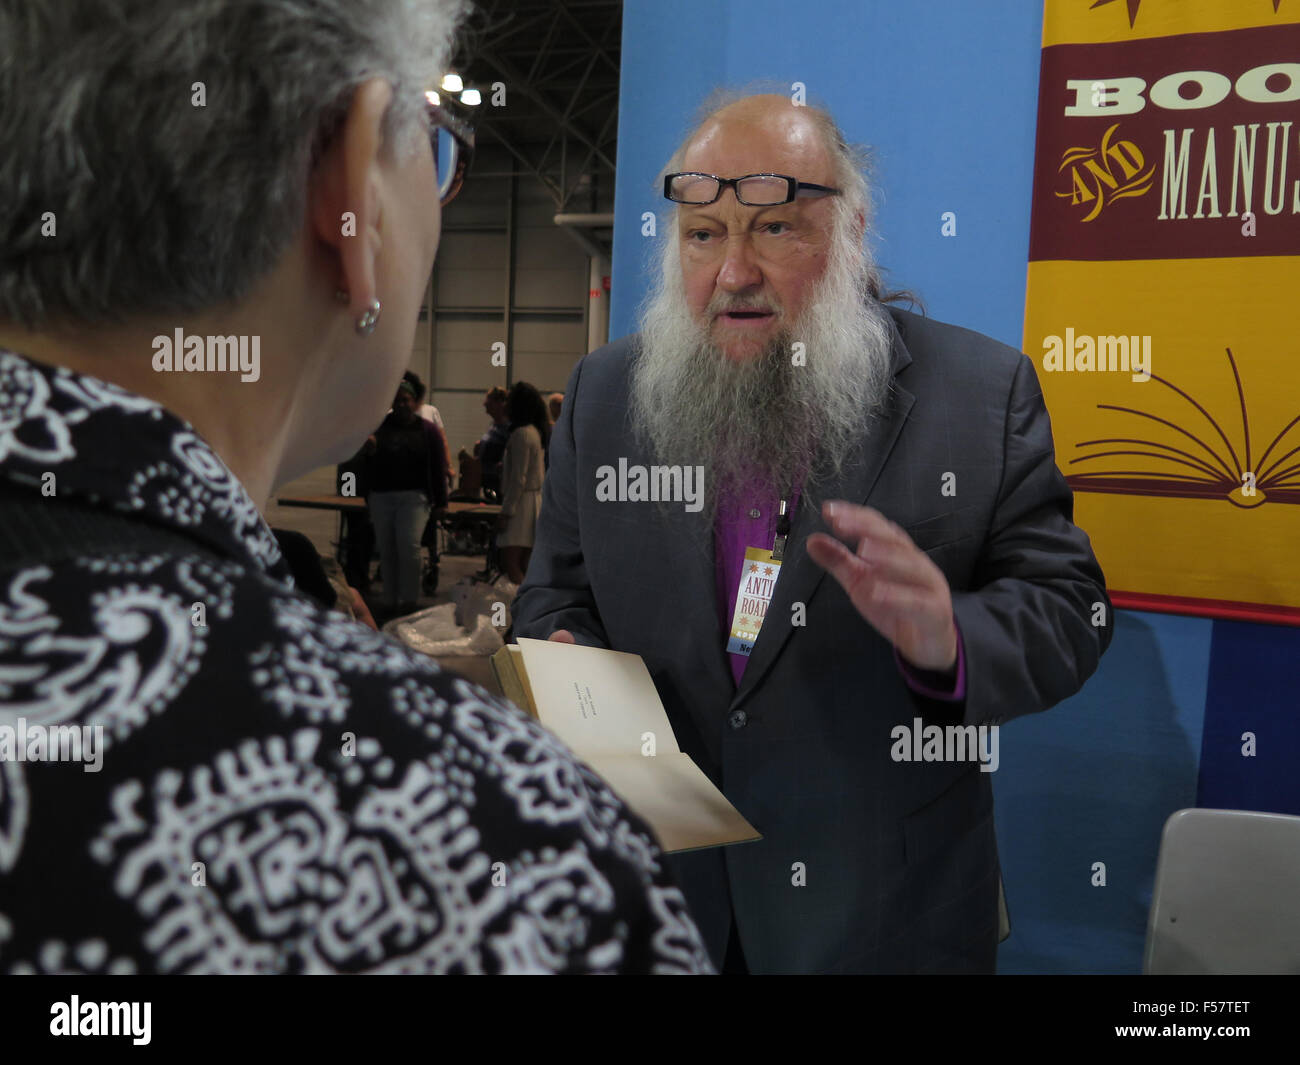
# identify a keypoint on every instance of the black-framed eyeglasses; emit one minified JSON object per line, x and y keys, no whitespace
{"x":753,"y":190}
{"x":453,"y":150}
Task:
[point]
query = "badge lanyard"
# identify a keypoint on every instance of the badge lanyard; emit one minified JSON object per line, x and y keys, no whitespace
{"x":758,"y":578}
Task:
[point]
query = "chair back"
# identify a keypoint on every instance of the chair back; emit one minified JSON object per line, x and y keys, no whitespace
{"x":1227,"y":894}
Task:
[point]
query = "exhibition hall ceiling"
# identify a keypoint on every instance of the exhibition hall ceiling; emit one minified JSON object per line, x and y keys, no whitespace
{"x":547,"y":72}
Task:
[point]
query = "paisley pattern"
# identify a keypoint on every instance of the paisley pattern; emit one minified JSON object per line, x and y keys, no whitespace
{"x":282,"y":789}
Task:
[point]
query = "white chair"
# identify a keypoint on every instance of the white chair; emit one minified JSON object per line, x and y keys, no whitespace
{"x":1227,"y":895}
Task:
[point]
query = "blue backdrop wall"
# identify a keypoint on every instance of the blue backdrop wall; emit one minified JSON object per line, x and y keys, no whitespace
{"x":945,"y":92}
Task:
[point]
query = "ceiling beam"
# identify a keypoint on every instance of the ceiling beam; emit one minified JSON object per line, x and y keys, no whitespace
{"x":551,"y":185}
{"x":521,"y":85}
{"x":598,"y":46}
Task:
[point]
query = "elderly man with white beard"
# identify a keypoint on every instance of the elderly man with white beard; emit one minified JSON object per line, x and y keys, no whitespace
{"x":850,"y":720}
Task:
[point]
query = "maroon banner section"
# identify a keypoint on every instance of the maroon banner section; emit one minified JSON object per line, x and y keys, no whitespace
{"x":1184,"y":147}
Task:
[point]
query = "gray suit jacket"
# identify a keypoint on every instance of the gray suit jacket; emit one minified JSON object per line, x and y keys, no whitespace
{"x":899,"y":860}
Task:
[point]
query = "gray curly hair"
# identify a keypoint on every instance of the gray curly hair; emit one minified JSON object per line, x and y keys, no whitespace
{"x":122,"y":195}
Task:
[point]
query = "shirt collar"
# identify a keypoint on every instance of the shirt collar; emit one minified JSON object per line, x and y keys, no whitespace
{"x":89,"y":439}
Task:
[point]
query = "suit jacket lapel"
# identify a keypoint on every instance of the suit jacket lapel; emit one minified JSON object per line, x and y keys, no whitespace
{"x":800,"y":575}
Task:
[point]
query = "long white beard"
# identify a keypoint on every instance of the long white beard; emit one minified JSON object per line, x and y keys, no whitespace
{"x":765,"y":419}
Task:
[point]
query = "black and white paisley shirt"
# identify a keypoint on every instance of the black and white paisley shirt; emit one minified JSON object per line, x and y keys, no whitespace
{"x":281,"y":788}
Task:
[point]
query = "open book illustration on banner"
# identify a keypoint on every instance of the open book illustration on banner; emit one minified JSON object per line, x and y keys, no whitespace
{"x":604,"y":705}
{"x":1218,"y":469}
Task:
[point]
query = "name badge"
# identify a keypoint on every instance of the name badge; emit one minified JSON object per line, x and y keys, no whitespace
{"x":757,"y":582}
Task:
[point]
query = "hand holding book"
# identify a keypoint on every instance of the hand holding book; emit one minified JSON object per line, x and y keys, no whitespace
{"x":604,"y":705}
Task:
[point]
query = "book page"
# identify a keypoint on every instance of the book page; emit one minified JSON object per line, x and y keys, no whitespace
{"x":680,"y":803}
{"x":599,"y":702}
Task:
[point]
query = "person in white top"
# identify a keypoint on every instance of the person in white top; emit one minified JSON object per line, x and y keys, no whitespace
{"x":429,"y":413}
{"x":522,"y":471}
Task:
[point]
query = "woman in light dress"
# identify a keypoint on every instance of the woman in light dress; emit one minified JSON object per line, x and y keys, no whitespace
{"x":522,"y":471}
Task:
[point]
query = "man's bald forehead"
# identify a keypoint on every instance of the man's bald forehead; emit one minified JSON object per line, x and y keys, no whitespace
{"x":767,"y":118}
{"x":759,"y":107}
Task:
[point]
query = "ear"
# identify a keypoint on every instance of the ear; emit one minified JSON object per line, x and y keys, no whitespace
{"x":344,"y":207}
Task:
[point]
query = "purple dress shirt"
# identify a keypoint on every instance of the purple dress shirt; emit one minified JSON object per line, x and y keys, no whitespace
{"x":748,"y":519}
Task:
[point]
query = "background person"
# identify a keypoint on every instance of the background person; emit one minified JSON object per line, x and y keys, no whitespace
{"x":319,"y":578}
{"x":522,"y":472}
{"x":429,"y":537}
{"x":429,"y":413}
{"x":405,"y":478}
{"x":491,"y":447}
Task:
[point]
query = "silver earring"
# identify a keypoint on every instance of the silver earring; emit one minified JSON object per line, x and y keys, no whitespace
{"x":368,"y":319}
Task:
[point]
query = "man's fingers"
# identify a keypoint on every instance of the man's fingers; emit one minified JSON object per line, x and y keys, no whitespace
{"x":893,"y":561}
{"x":851,"y":522}
{"x":838,"y":561}
{"x":561,"y":636}
{"x":889,"y":551}
{"x":858,"y":581}
{"x":864,"y":581}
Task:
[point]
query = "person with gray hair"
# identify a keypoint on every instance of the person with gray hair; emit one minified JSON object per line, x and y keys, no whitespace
{"x":704,"y":476}
{"x":217,"y":220}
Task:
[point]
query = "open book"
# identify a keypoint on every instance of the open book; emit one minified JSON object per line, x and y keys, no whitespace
{"x":604,"y":705}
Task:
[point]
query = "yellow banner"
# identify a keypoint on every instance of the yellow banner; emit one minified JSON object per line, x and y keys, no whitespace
{"x":1164,"y":294}
{"x":1100,"y":21}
